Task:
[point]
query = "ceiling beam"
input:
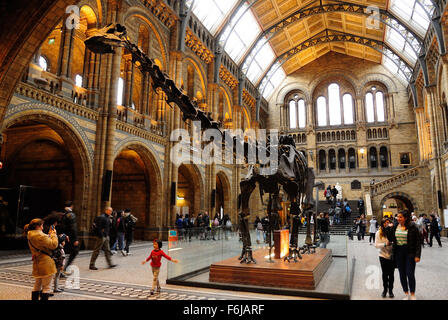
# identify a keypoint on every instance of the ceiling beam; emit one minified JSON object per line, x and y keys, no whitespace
{"x":329,"y":36}
{"x":385,"y":17}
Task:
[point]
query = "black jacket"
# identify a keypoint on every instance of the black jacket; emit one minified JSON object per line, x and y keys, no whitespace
{"x":414,"y":240}
{"x":102,"y":225}
{"x":69,"y":226}
{"x":434,"y":226}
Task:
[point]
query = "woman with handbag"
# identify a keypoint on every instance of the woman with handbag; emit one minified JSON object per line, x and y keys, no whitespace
{"x":386,"y":259}
{"x":41,"y":246}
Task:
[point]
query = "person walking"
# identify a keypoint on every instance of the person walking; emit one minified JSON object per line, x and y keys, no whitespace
{"x":156,"y":262}
{"x":361,"y":208}
{"x":434,"y":230}
{"x":120,"y":229}
{"x":70,"y":228}
{"x":129,"y":226}
{"x":334,"y":193}
{"x":373,"y":227}
{"x":259,"y":229}
{"x":361,"y":230}
{"x":407,"y":250}
{"x":324,"y":226}
{"x":328,"y":194}
{"x":386,"y":259}
{"x":101,"y":233}
{"x":41,"y":245}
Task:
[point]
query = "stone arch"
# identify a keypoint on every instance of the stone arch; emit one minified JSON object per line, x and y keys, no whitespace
{"x":75,"y":141}
{"x":194,"y":175}
{"x":342,"y":74}
{"x":408,"y":200}
{"x":154,"y":27}
{"x":143,"y":155}
{"x":287,"y":89}
{"x":189,"y":59}
{"x":38,"y":111}
{"x":227,"y":191}
{"x":381,"y":78}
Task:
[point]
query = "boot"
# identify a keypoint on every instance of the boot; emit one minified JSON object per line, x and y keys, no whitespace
{"x":384,"y":292}
{"x":35,"y":295}
{"x":44,"y":296}
{"x":391,"y":294}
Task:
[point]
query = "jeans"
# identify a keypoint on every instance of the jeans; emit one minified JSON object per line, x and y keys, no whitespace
{"x":388,"y":270}
{"x":73,"y":250}
{"x":129,"y":238}
{"x":437,"y":235}
{"x":324,"y":239}
{"x":119,"y":242}
{"x":259,"y":235}
{"x":406,"y":268}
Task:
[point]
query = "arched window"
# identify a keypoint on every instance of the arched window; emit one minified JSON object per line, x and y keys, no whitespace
{"x":348,"y":109}
{"x":297,"y":113}
{"x":120,"y":92}
{"x":302,"y":113}
{"x":351,"y":158}
{"x":341,"y":157}
{"x":322,"y":112}
{"x":370,"y":108}
{"x":380,"y":114}
{"x":336,"y":108}
{"x":322,"y":160}
{"x":375,"y":106}
{"x":332,"y":156}
{"x":43,"y":63}
{"x":373,"y":158}
{"x":384,"y":157}
{"x":334,"y":101}
{"x":292,"y":115}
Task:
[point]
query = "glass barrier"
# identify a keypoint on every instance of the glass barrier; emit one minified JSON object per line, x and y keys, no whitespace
{"x":197,"y":249}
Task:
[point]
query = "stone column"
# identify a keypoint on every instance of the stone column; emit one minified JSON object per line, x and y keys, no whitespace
{"x":431,"y":91}
{"x":64,"y":61}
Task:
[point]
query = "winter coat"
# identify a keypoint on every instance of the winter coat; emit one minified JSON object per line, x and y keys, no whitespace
{"x":39,"y":242}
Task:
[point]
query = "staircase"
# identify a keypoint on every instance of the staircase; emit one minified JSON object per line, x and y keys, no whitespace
{"x":396,"y":181}
{"x":344,"y":226}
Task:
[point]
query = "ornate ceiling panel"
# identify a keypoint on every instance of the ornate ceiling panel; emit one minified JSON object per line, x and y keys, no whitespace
{"x":270,"y":12}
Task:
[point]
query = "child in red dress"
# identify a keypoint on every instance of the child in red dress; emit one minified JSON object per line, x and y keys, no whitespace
{"x":156,"y":257}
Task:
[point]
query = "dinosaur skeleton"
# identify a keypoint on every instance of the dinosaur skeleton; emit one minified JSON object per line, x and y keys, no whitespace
{"x":292,"y":172}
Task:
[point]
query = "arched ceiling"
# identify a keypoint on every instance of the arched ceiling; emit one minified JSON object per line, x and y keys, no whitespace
{"x":388,"y":32}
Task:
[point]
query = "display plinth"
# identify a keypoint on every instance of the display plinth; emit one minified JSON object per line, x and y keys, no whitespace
{"x":281,"y":243}
{"x":303,"y":274}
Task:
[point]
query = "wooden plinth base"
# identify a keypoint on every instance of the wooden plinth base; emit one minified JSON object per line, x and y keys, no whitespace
{"x":303,"y":274}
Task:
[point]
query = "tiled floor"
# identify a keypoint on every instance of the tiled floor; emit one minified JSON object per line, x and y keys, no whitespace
{"x":131,"y":280}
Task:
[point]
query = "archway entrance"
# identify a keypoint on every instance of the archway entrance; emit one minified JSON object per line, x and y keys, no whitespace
{"x":136,"y":186}
{"x":223,"y":203}
{"x":43,"y":166}
{"x":188,"y":197}
{"x":394,"y":203}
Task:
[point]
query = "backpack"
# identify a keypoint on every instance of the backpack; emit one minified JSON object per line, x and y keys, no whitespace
{"x":95,"y":229}
{"x":186,"y":223}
